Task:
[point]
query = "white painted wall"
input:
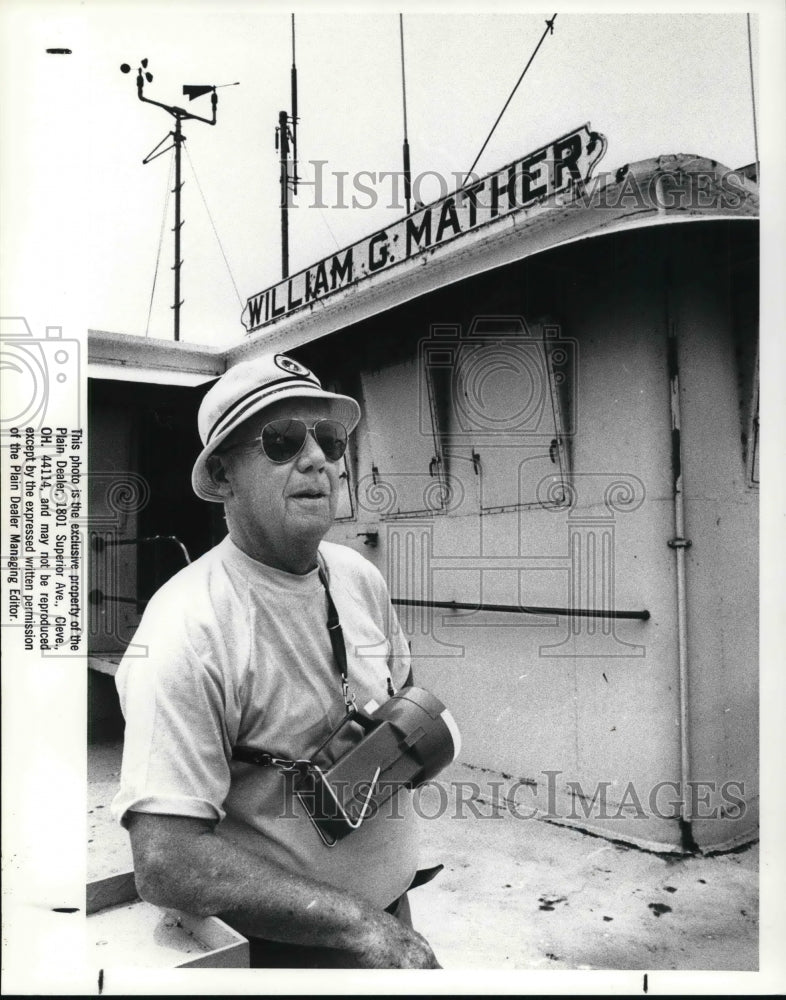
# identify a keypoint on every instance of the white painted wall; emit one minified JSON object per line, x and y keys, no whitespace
{"x":600,"y":702}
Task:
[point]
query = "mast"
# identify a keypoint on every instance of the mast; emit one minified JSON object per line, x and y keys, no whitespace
{"x":405,"y":150}
{"x":282,"y":141}
{"x":286,"y":136}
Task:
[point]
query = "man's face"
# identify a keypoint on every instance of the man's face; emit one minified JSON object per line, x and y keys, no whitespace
{"x":278,"y":512}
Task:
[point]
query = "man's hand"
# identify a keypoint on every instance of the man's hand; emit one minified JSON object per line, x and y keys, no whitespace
{"x":387,"y":943}
{"x":179,"y":862}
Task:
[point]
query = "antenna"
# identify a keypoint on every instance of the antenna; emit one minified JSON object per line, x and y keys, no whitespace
{"x":293,"y":81}
{"x":282,"y":144}
{"x":407,"y":174}
{"x":548,"y":31}
{"x":180,"y":115}
{"x":284,"y":137}
{"x":753,"y":99}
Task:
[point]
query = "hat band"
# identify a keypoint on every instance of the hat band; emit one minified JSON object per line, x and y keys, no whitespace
{"x":235,"y":413}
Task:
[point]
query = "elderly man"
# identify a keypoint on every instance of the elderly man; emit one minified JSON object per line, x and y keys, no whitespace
{"x":237,"y":654}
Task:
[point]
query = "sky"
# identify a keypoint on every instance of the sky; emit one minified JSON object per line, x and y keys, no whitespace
{"x":85,"y":231}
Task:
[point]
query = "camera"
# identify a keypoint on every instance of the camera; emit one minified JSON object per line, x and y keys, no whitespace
{"x":406,"y":742}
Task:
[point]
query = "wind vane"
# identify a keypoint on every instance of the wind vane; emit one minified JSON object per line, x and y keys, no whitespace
{"x":191,"y":91}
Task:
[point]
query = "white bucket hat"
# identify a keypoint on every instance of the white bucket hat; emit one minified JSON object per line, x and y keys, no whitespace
{"x":246,"y":389}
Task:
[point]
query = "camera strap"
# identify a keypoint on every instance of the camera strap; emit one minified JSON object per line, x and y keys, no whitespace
{"x":262,"y":758}
{"x":336,"y":634}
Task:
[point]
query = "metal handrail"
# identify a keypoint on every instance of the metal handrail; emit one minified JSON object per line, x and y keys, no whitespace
{"x":522,"y":609}
{"x":98,"y":597}
{"x":99,"y":543}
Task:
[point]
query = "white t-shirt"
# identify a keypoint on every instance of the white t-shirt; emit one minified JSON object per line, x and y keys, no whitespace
{"x":232,"y":652}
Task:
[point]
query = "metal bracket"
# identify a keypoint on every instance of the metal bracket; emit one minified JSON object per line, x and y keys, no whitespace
{"x":352,"y":824}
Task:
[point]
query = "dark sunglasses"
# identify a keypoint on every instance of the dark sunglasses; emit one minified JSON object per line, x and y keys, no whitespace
{"x":282,"y":440}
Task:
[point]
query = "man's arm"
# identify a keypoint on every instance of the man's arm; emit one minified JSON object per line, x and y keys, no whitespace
{"x":181,"y":863}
